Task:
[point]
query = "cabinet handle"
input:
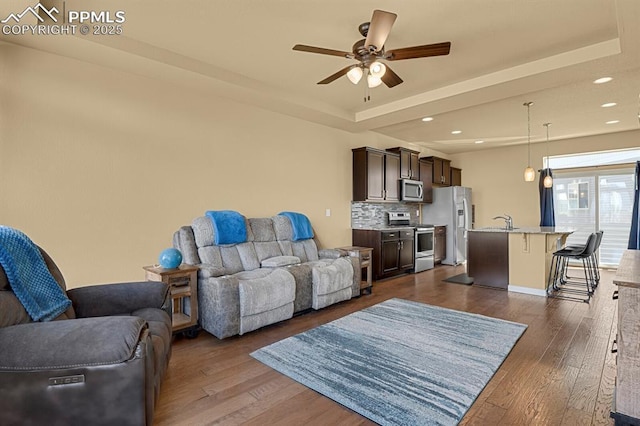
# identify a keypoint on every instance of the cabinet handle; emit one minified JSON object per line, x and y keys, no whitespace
{"x":615,"y":295}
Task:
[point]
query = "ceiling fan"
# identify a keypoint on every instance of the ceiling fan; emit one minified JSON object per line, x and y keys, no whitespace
{"x":370,"y":50}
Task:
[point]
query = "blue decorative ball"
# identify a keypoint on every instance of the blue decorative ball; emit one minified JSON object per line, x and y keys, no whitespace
{"x":170,"y":258}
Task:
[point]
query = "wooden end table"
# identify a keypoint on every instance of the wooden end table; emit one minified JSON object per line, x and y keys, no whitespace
{"x":183,"y":287}
{"x":364,"y":256}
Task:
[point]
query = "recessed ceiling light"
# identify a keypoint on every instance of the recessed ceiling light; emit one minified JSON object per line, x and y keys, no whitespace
{"x":479,"y":142}
{"x":603,"y":80}
{"x":427,"y":119}
{"x":608,"y":105}
{"x":613,"y":122}
{"x":456,"y":132}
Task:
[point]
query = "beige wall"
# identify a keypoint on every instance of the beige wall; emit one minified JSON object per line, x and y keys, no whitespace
{"x":101,"y":167}
{"x":497,"y":175}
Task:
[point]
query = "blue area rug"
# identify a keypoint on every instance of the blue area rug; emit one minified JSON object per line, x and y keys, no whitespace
{"x":398,"y":362}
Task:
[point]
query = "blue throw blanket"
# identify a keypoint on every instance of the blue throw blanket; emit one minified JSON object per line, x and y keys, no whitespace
{"x":301,"y":226}
{"x":229,"y":226}
{"x":29,"y":276}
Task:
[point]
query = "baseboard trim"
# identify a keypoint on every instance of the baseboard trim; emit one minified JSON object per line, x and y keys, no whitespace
{"x":527,"y":290}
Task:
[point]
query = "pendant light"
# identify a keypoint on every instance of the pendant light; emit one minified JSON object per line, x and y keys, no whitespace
{"x":529,"y":173}
{"x":548,"y":180}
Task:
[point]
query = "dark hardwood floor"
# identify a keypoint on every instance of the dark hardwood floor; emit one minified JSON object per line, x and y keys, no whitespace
{"x":561,"y":371}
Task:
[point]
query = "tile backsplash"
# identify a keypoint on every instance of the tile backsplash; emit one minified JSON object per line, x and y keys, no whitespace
{"x":374,"y":215}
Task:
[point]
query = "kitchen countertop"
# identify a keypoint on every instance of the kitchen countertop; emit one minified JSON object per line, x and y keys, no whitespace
{"x":387,"y":228}
{"x":528,"y":230}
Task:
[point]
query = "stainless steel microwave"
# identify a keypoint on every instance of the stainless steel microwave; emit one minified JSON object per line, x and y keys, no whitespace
{"x":411,"y":190}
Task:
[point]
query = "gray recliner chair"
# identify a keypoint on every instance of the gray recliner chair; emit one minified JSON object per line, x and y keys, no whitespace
{"x":99,"y":363}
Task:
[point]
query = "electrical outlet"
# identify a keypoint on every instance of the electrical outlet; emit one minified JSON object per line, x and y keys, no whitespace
{"x":327,"y":212}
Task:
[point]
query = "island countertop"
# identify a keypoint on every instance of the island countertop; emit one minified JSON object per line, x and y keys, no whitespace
{"x":528,"y":230}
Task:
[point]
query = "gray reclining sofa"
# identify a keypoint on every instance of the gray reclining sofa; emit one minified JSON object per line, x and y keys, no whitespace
{"x":264,"y":280}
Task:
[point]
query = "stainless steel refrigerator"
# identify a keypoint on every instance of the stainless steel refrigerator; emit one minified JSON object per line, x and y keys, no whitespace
{"x":451,"y":207}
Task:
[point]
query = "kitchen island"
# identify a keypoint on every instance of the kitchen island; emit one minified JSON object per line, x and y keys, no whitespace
{"x":515,"y":259}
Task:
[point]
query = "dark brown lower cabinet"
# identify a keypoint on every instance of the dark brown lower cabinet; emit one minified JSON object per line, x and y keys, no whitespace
{"x":393,"y":251}
{"x":488,"y":259}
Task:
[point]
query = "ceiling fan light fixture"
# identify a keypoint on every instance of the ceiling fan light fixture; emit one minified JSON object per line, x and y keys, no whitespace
{"x":355,"y":74}
{"x":377,"y":69}
{"x":370,"y":51}
{"x":373,"y":81}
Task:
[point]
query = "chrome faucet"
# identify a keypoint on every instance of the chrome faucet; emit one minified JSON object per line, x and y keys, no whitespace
{"x":508,"y":221}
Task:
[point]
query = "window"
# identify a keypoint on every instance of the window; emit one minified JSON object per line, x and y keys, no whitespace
{"x":593,"y":159}
{"x":592,"y":199}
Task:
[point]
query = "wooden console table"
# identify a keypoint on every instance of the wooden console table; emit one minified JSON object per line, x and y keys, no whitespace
{"x":626,"y":397}
{"x":364,"y":256}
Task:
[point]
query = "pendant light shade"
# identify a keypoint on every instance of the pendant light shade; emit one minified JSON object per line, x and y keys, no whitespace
{"x":373,"y":81}
{"x":529,"y":173}
{"x":377,"y":69}
{"x":355,"y":74}
{"x":548,"y":180}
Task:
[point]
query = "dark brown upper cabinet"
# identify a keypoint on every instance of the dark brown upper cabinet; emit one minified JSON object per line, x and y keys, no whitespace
{"x":456,"y":176}
{"x":426,"y":176}
{"x":409,"y":168}
{"x":375,"y":175}
{"x":441,"y":171}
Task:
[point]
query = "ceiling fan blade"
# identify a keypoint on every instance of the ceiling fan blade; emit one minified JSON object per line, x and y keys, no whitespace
{"x":379,"y":28}
{"x":436,"y":49}
{"x":337,"y":75}
{"x":323,"y":51}
{"x":390,"y":78}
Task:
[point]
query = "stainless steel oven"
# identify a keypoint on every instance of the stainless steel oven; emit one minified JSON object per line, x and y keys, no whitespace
{"x":424,"y":248}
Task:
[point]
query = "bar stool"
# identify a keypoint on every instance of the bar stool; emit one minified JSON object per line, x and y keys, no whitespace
{"x":560,"y":285}
{"x":594,"y":262}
